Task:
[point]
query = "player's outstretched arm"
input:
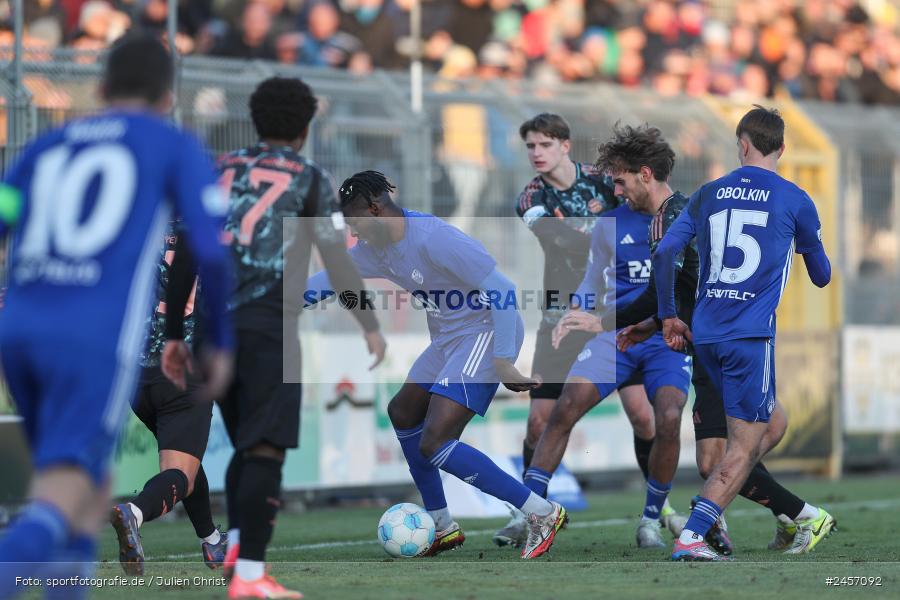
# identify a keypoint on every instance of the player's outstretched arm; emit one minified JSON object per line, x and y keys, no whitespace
{"x":202,"y":207}
{"x":507,"y":322}
{"x":808,"y":238}
{"x":346,"y":278}
{"x":818,"y":266}
{"x":176,"y":360}
{"x":641,"y":308}
{"x":589,"y":296}
{"x":672,"y":244}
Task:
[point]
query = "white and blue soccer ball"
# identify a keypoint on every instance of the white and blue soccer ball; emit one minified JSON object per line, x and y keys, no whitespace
{"x":406,"y":530}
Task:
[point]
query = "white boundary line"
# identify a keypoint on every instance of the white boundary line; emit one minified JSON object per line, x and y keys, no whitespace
{"x":885,"y":504}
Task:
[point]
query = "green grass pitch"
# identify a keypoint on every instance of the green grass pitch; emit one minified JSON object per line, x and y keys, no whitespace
{"x":332,"y":553}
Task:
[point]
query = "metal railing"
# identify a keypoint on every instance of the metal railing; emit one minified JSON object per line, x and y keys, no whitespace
{"x":462,"y":157}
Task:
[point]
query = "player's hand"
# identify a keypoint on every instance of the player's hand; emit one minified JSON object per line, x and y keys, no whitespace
{"x":579,"y":320}
{"x":635,"y":334}
{"x":676,"y":333}
{"x":559,"y":332}
{"x":512,"y":378}
{"x":218,"y":366}
{"x":377,"y":346}
{"x":176,"y":362}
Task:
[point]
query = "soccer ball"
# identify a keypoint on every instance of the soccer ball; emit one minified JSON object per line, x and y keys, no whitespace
{"x":405,"y":530}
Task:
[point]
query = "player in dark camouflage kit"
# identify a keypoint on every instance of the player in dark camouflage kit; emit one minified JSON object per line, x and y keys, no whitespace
{"x":156,"y":323}
{"x":560,"y":206}
{"x":270,"y":185}
{"x":180,"y":422}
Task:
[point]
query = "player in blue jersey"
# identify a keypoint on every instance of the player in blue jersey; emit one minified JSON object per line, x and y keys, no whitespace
{"x":622,"y":155}
{"x":476,"y":333}
{"x":560,"y":207}
{"x":88,"y":204}
{"x":748,"y":225}
{"x":600,"y":368}
{"x":618,"y":271}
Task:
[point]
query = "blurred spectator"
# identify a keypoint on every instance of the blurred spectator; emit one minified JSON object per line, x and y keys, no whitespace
{"x":831,"y":50}
{"x":371,"y":25}
{"x":253,"y":39}
{"x":47,"y":12}
{"x":99,"y":24}
{"x":323,"y":45}
{"x":471,"y":23}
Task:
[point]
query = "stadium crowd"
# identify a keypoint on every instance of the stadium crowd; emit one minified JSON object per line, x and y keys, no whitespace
{"x":831,"y":50}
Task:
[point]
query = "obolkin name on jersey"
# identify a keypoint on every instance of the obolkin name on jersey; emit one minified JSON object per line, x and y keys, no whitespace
{"x":741,"y":193}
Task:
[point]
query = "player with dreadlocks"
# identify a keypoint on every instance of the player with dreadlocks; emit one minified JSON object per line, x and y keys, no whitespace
{"x":476,"y":333}
{"x":269,"y":183}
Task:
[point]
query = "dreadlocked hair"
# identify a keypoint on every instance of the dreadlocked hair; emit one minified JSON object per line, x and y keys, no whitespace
{"x":370,"y":185}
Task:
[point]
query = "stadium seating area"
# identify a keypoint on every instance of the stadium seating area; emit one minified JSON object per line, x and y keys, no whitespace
{"x":831,"y":50}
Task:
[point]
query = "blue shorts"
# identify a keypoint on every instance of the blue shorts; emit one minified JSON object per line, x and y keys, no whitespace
{"x":461,"y":368}
{"x":73,"y":398}
{"x":743,"y":371}
{"x":660,"y":365}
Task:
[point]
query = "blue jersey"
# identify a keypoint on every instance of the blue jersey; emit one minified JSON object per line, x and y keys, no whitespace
{"x":440,"y":265}
{"x":93,"y":216}
{"x":748,"y":226}
{"x":619,"y":260}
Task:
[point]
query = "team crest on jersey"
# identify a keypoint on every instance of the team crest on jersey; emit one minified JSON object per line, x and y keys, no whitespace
{"x":585,"y":354}
{"x":417,"y":276}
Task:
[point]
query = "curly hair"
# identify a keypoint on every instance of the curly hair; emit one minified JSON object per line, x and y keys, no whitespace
{"x":368,"y":185}
{"x":282,"y":108}
{"x":631,"y":148}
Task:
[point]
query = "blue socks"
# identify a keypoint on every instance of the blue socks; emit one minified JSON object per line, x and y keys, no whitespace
{"x":478,"y":470}
{"x":656,"y":497}
{"x":37,"y":535}
{"x":426,"y":475}
{"x":537,"y":481}
{"x":703,"y":516}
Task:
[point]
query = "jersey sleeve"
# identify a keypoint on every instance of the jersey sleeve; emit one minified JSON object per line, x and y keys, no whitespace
{"x":808,"y":231}
{"x":322,"y":204}
{"x":319,"y":286}
{"x":588,"y":294}
{"x":459,"y":255}
{"x":669,"y":256}
{"x":202,"y":207}
{"x":12,"y":192}
{"x":530,"y":204}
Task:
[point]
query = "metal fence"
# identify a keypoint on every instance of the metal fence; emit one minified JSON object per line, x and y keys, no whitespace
{"x":868,"y":144}
{"x":462,"y":156}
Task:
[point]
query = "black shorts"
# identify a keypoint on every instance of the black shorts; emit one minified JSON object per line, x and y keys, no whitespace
{"x":179,"y":420}
{"x":553,"y":365}
{"x":637,"y":378}
{"x":709,"y":409}
{"x":259,"y":407}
